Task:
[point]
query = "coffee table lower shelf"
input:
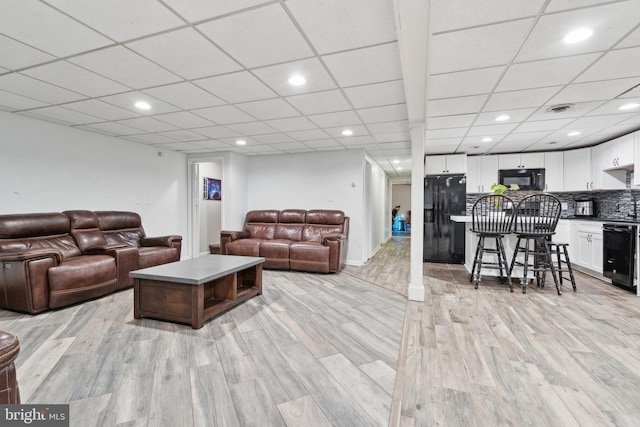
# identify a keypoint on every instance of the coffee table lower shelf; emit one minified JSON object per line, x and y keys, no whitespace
{"x":194,"y":304}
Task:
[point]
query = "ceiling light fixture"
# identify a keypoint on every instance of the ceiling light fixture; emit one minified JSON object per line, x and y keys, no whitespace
{"x":487,"y":139}
{"x":241,"y":142}
{"x":396,"y":161}
{"x":629,"y":106}
{"x":142,"y":105}
{"x":502,"y":118}
{"x":574,"y":133}
{"x":297,"y":80}
{"x":347,"y":132}
{"x":400,"y":168}
{"x":578,"y":35}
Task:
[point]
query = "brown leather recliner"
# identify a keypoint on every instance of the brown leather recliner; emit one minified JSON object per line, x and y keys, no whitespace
{"x":43,"y":268}
{"x":295,"y":239}
{"x":9,"y":349}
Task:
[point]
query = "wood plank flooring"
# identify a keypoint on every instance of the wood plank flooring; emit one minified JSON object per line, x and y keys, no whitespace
{"x":347,"y":350}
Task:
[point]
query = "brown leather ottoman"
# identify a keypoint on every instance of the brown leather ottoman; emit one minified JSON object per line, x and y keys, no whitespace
{"x":9,"y":349}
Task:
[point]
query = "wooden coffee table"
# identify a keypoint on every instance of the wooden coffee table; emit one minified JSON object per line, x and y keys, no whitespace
{"x":195,"y":290}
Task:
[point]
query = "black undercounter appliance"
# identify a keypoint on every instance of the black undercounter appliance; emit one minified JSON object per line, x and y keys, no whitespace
{"x":619,"y":254}
{"x":443,"y":238}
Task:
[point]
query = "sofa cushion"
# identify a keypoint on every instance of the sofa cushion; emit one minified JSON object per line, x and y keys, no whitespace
{"x":34,"y":225}
{"x":275,"y":252}
{"x":81,"y":278}
{"x":309,"y":256}
{"x":290,"y":224}
{"x":315,"y":232}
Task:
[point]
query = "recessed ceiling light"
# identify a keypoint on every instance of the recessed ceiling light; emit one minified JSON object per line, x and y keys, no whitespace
{"x":142,"y":105}
{"x":487,"y":139}
{"x":347,"y":132}
{"x":241,"y":142}
{"x":396,"y":161}
{"x":502,"y":118}
{"x":578,"y":35}
{"x":629,"y":106}
{"x":574,"y":133}
{"x":400,"y":168}
{"x":297,"y":80}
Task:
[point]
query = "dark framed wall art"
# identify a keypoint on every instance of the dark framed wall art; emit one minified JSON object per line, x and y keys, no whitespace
{"x":212,"y":189}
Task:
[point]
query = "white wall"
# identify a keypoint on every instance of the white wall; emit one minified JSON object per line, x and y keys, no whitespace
{"x":210,"y":211}
{"x":379,"y":195}
{"x":46,"y":167}
{"x":321,"y":180}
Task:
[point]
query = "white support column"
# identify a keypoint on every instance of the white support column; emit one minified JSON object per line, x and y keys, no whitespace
{"x":416,"y":284}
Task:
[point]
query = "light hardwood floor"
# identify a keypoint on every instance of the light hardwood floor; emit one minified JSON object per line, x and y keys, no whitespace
{"x":347,"y":350}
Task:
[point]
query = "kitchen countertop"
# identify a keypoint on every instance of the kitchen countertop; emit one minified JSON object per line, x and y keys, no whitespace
{"x":467,"y":218}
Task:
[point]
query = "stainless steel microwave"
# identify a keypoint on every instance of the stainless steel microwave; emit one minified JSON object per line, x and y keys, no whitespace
{"x":527,"y":179}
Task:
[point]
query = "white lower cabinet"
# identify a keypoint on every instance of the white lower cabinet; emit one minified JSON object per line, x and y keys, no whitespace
{"x":588,"y":250}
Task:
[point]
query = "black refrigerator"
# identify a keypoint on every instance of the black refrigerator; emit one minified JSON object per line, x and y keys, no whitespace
{"x":444,"y":239}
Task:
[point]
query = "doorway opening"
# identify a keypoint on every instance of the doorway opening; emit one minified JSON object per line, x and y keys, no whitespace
{"x":401,"y":209}
{"x":206,"y":204}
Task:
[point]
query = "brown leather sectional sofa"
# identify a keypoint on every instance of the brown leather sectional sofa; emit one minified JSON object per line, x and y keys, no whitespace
{"x":292,"y":239}
{"x":52,"y":260}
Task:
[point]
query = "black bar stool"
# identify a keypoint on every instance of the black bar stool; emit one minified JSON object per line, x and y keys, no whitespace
{"x":559,"y":249}
{"x":535,"y":222}
{"x":492,"y":217}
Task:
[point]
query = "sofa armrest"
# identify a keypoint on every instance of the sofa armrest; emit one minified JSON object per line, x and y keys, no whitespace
{"x":104,"y":249}
{"x":333,"y":237}
{"x":235,"y":235}
{"x":22,"y":255}
{"x":9,"y":349}
{"x":160,"y":241}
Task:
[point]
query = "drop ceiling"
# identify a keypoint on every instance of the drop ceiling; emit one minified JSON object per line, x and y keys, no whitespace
{"x":217,"y":71}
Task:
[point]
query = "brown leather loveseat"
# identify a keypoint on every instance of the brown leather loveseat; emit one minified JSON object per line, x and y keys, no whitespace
{"x":52,"y":260}
{"x":292,"y":239}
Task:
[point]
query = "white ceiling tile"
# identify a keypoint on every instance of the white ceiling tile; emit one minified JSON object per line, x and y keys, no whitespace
{"x":182,"y":135}
{"x":40,"y":91}
{"x":184,"y":120}
{"x":577,"y":110}
{"x":216,"y":132}
{"x":305,"y":135}
{"x":186,"y":53}
{"x":509,"y":147}
{"x":181,"y":146}
{"x":631,"y":93}
{"x":393,"y":137}
{"x":455,"y":106}
{"x":134,"y":19}
{"x":319,"y":102}
{"x":341,"y":118}
{"x":388,"y":127}
{"x":198,"y":10}
{"x":212,"y":144}
{"x":557,"y":5}
{"x":127,"y":101}
{"x":70,"y":76}
{"x":463,"y":83}
{"x":320,"y":144}
{"x":376,"y":95}
{"x":445,"y":122}
{"x":100,"y":109}
{"x":364,"y":66}
{"x":287,"y":146}
{"x":147,"y":124}
{"x":126,"y":67}
{"x":477,"y":140}
{"x":445,"y":133}
{"x":593,"y":91}
{"x":600,"y":120}
{"x":516,"y":115}
{"x":252,"y":128}
{"x":273,"y":138}
{"x":439,"y":142}
{"x":149,"y":138}
{"x":267,"y":36}
{"x":40,"y":26}
{"x":184,"y":95}
{"x":631,"y":40}
{"x":504,"y":101}
{"x":15,"y":55}
{"x":291,"y":124}
{"x":358,"y":130}
{"x":550,"y":72}
{"x":492,"y":129}
{"x":13,"y":102}
{"x":386,"y":113}
{"x":112,"y":128}
{"x":614,"y":65}
{"x":236,"y":87}
{"x":543,"y":125}
{"x":356,"y":140}
{"x":335,"y":25}
{"x":268,"y":109}
{"x":61,"y":115}
{"x":454,"y":14}
{"x":482,"y":46}
{"x":609,"y":23}
{"x":225,"y":114}
{"x":277,"y":77}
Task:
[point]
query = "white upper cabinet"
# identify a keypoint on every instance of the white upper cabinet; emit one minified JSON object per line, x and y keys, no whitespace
{"x":577,"y":170}
{"x":554,"y":171}
{"x":521,"y":160}
{"x":609,"y":162}
{"x":618,"y":153}
{"x":636,"y":156}
{"x":449,"y":164}
{"x":482,"y":173}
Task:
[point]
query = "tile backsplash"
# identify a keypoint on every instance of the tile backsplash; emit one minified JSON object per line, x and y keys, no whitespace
{"x":613,"y":205}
